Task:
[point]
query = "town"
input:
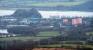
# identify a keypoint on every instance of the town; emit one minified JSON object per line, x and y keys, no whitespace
{"x":36,"y":28}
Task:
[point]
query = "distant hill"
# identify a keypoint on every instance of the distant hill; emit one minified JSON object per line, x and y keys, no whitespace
{"x":83,"y":7}
{"x":25,"y":13}
{"x":31,"y":13}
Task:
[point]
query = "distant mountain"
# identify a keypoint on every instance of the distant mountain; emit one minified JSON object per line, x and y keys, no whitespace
{"x":83,"y":7}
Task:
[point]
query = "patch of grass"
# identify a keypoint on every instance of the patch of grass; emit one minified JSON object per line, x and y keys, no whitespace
{"x":57,"y":3}
{"x":49,"y":33}
{"x":67,"y":45}
{"x":89,"y":33}
{"x":41,"y":35}
{"x":53,"y":45}
{"x":23,"y":38}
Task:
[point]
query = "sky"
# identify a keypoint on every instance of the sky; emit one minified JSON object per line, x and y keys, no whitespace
{"x":6,"y":12}
{"x":47,"y":14}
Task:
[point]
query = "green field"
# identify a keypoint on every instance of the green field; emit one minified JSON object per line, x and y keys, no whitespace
{"x":67,"y":46}
{"x":56,"y":3}
{"x":41,"y":35}
{"x":89,"y":33}
{"x":49,"y":34}
{"x":46,"y":35}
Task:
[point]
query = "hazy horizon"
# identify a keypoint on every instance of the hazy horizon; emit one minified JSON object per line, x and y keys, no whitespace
{"x":46,"y":14}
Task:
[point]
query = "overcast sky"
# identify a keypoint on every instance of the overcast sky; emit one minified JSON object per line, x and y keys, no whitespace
{"x":6,"y":12}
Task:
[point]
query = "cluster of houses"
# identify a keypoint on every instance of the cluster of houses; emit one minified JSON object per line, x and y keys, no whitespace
{"x":72,"y":17}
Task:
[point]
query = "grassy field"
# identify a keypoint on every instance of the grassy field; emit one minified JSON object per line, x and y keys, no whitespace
{"x":51,"y":33}
{"x":57,"y":3}
{"x":67,"y":45}
{"x":45,"y":35}
{"x":26,"y":42}
{"x":41,"y":35}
